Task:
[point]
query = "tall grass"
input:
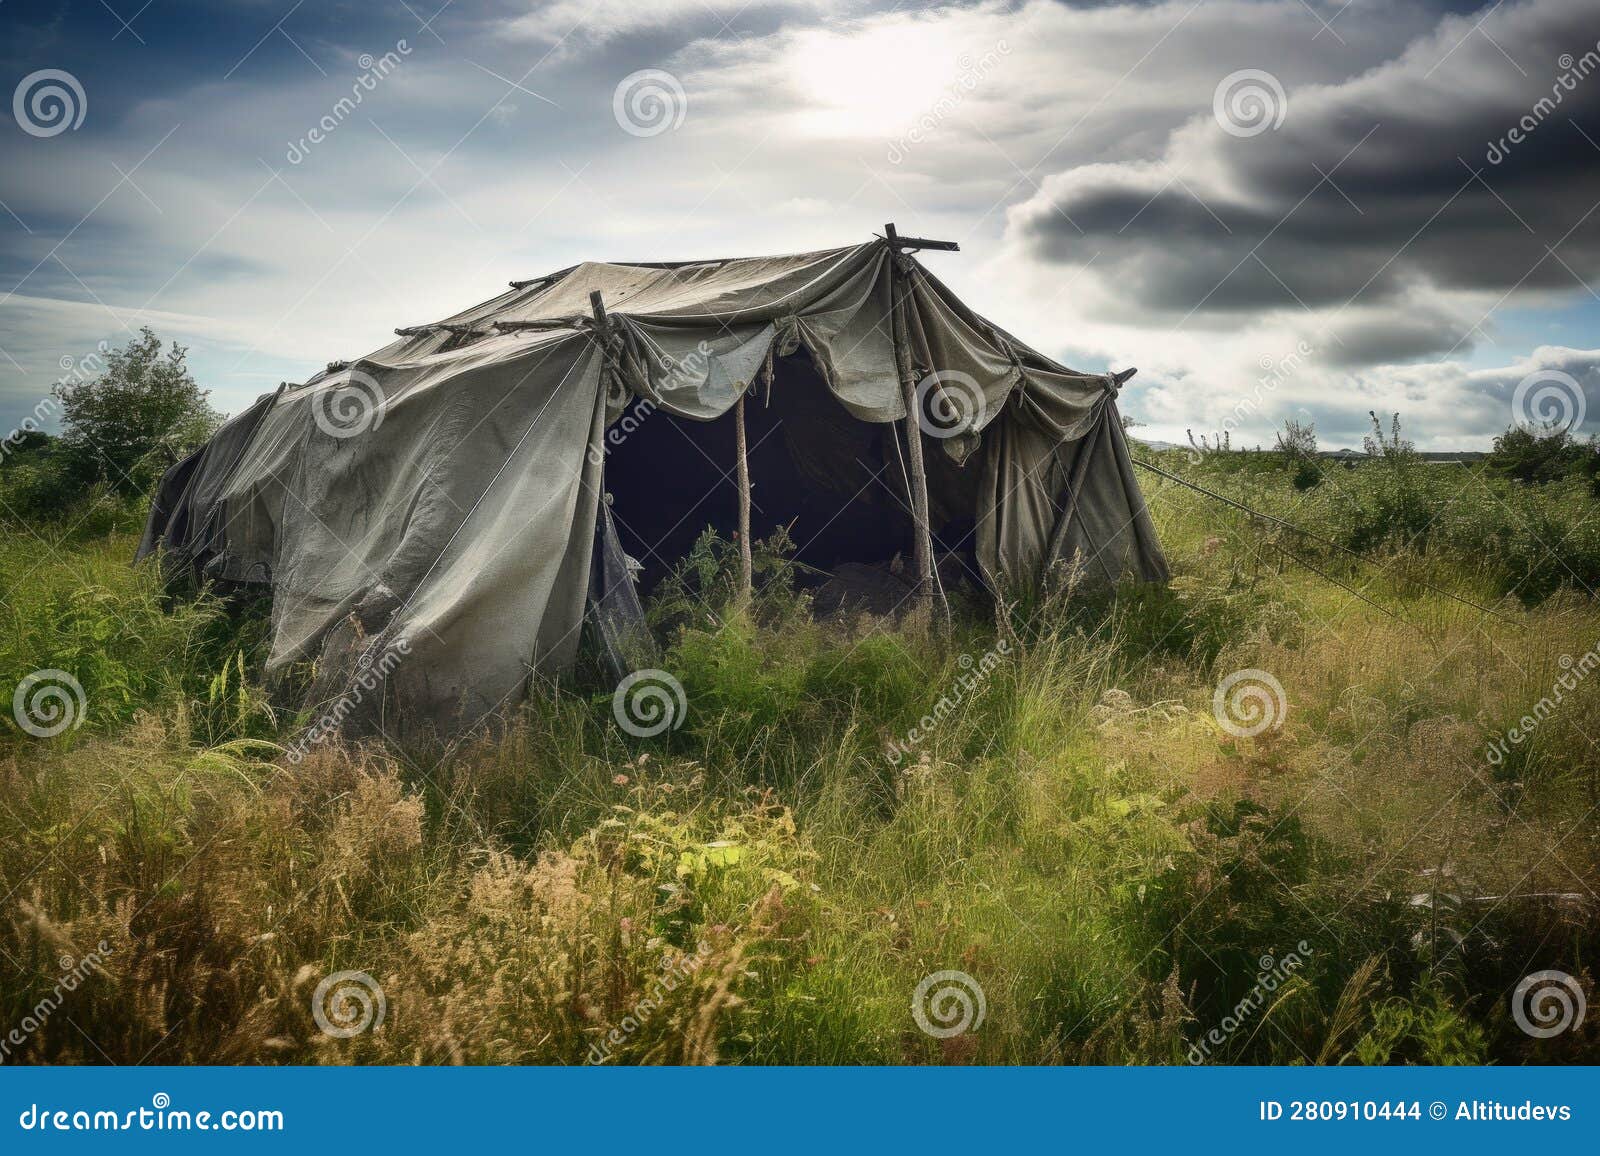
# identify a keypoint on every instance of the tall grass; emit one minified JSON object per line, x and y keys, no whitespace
{"x":770,"y":882}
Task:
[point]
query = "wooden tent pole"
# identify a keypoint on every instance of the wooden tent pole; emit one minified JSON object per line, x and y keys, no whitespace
{"x":742,"y":443}
{"x":746,"y":566}
{"x":917,"y":341}
{"x":922,"y":589}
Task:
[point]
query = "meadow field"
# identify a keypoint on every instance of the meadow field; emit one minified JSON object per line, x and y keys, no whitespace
{"x":1089,"y":856}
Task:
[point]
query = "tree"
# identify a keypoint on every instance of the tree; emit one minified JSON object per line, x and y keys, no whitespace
{"x":143,"y":412}
{"x":1546,"y":454}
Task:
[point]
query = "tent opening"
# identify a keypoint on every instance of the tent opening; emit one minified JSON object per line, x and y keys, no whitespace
{"x":837,"y":483}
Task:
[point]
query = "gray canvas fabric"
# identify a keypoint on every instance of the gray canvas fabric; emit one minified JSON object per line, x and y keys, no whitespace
{"x":430,"y":509}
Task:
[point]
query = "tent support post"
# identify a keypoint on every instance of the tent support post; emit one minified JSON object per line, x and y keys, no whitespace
{"x":602,"y":325}
{"x":741,"y":440}
{"x":925,"y":587}
{"x":923,"y":552}
{"x":746,"y":567}
{"x":922,"y":589}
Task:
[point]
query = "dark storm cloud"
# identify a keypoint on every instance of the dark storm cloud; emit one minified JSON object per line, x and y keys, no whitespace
{"x":1409,"y":177}
{"x":1387,"y":340}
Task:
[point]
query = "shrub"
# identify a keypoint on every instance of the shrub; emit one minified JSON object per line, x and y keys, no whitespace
{"x":1537,"y":457}
{"x":144,"y":412}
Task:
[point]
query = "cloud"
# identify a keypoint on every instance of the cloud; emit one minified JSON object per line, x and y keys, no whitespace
{"x":1370,"y":190}
{"x":559,"y":21}
{"x":1444,"y":394}
{"x":809,"y":125}
{"x":1380,"y":218}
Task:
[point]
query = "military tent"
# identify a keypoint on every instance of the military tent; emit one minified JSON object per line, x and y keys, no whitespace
{"x":451,"y":510}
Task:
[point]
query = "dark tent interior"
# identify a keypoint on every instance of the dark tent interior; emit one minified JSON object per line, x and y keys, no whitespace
{"x":837,"y":483}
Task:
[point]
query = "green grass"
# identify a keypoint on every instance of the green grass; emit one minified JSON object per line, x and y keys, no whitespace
{"x":1111,"y":867}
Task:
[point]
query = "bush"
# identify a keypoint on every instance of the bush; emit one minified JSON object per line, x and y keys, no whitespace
{"x":1537,"y":457}
{"x":143,"y":413}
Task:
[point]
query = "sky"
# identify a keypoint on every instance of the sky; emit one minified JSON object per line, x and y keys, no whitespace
{"x":1273,"y":208}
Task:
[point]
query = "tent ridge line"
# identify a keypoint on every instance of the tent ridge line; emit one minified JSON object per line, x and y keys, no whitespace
{"x":714,"y":263}
{"x":711,"y":262}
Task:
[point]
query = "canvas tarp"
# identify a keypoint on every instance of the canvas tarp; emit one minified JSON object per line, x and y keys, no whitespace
{"x":440,"y":495}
